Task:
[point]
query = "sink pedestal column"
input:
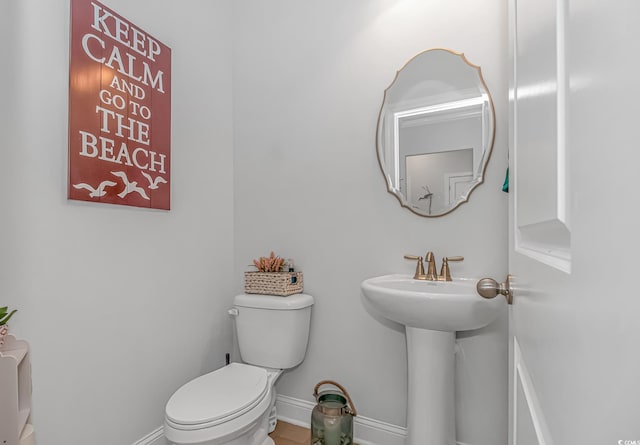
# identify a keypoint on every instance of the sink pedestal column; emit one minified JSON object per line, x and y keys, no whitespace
{"x":431,"y":399}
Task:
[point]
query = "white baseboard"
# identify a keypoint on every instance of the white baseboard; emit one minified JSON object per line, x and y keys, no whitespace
{"x":367,"y":431}
{"x":156,"y":437}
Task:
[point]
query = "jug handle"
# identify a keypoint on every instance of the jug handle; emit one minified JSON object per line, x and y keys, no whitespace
{"x":352,"y":408}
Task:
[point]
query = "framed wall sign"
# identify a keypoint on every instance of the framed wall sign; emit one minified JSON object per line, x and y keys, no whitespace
{"x":119,"y":110}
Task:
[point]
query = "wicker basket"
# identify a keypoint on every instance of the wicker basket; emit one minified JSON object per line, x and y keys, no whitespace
{"x":273,"y":283}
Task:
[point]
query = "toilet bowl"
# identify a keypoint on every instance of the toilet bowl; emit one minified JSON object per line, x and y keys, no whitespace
{"x":228,"y":406}
{"x":232,"y":405}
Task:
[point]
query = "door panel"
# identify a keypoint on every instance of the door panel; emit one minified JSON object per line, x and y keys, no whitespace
{"x":576,"y":311}
{"x":540,"y":170}
{"x":530,"y":427}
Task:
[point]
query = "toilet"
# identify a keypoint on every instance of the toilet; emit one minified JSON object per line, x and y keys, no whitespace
{"x":234,"y":405}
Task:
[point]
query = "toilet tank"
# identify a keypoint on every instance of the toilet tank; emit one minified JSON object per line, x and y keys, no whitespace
{"x":272,"y":331}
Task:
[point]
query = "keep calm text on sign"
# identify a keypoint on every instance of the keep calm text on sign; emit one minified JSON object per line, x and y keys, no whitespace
{"x":119,"y":111}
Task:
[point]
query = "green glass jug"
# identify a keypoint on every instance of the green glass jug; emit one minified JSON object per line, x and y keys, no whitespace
{"x":332,"y":417}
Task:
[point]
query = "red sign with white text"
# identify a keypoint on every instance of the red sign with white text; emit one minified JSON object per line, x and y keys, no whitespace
{"x":119,"y":111}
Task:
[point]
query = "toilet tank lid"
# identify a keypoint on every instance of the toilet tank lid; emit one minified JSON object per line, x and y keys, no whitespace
{"x":258,"y":301}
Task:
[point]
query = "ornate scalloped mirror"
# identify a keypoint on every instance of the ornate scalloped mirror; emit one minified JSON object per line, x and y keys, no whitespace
{"x":435,"y":132}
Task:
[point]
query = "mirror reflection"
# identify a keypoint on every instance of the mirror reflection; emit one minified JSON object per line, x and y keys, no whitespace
{"x":435,"y":132}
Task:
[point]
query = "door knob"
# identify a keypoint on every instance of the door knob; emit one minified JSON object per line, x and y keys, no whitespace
{"x":490,"y":288}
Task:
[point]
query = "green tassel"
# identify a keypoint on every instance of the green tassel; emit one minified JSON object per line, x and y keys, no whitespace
{"x":505,"y":186}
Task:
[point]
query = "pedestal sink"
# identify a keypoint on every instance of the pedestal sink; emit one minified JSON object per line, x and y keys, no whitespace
{"x":432,"y":312}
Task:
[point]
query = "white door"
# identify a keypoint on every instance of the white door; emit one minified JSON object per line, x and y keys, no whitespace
{"x":575,"y":222}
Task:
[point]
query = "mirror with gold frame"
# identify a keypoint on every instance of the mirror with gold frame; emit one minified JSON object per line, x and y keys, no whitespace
{"x":435,"y":132}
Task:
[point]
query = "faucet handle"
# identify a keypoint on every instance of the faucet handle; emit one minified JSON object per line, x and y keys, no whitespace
{"x":419,"y":275}
{"x":445,"y":273}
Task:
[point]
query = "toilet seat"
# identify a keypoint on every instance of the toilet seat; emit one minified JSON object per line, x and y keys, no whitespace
{"x":217,"y":397}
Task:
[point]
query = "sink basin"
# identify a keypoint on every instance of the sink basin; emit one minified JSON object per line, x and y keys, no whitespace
{"x":435,"y":305}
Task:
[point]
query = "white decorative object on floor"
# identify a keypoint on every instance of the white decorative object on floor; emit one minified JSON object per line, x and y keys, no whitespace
{"x":232,"y":405}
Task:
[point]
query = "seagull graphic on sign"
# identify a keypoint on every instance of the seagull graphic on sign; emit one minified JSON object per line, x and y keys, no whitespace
{"x":153,"y":183}
{"x":129,"y":186}
{"x":95,"y":192}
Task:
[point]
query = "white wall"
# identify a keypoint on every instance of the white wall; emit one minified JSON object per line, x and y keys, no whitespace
{"x":121,"y":305}
{"x":308,"y":85}
{"x":307,"y":82}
